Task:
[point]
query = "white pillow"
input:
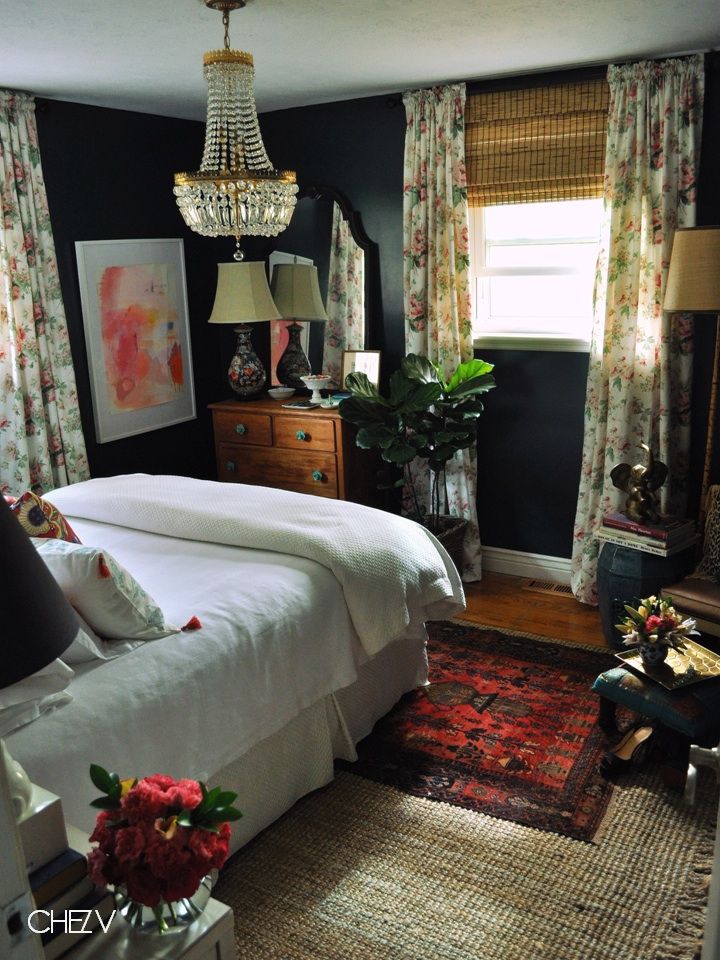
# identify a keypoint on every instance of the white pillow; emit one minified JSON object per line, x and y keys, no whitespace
{"x":86,"y":646}
{"x":103,"y":592}
{"x":25,"y":700}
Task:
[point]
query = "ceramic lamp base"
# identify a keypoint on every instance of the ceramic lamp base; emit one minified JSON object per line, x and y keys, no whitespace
{"x":246,"y":374}
{"x":293,"y":364}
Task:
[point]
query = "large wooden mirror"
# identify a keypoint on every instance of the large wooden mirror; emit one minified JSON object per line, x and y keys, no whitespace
{"x":326,"y":229}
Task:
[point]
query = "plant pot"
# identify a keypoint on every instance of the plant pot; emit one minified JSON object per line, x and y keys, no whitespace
{"x":451,"y":534}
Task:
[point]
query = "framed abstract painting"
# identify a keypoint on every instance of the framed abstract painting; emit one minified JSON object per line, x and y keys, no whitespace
{"x":135,"y":314}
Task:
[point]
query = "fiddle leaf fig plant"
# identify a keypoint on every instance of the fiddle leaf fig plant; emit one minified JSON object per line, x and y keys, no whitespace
{"x":422,"y":416}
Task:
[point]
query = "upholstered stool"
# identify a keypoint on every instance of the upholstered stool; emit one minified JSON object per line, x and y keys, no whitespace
{"x":681,"y":717}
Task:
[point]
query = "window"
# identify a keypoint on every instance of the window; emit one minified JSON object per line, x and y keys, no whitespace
{"x":535,"y":158}
{"x":533,"y":270}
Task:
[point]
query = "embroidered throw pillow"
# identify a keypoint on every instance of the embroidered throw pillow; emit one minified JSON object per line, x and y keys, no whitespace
{"x":39,"y":518}
{"x":103,"y":592}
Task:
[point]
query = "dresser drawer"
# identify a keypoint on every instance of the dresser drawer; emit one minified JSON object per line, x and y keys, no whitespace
{"x":303,"y":471}
{"x":304,"y":433}
{"x":241,"y":427}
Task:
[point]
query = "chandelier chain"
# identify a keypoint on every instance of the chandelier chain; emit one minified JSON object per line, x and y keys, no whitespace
{"x":226,"y":25}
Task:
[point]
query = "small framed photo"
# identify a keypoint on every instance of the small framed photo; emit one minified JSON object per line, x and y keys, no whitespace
{"x":361,"y":361}
{"x":137,"y":334}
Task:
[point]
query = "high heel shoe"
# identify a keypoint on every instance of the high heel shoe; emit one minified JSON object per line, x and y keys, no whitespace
{"x":631,"y":749}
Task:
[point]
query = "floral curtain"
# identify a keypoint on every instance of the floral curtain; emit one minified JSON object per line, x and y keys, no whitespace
{"x":436,"y":281}
{"x":640,"y":371}
{"x":345,"y":305}
{"x":41,"y":440}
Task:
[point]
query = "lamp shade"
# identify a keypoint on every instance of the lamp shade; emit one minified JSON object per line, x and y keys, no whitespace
{"x":243,"y":295}
{"x":39,"y":623}
{"x":694,"y":276}
{"x":296,"y":291}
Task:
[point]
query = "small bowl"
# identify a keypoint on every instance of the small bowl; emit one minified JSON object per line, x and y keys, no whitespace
{"x":281,"y":393}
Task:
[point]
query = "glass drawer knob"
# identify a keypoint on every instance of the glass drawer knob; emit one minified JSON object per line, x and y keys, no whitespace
{"x":230,"y":466}
{"x":240,"y":428}
{"x":301,"y":435}
{"x":317,"y":475}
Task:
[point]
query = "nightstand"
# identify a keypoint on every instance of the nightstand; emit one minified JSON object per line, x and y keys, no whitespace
{"x":308,"y":451}
{"x":210,"y":937}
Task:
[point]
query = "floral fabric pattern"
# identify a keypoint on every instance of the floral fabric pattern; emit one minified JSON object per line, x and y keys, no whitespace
{"x":640,"y":373}
{"x":436,"y":278}
{"x":345,"y":304}
{"x":41,"y":439}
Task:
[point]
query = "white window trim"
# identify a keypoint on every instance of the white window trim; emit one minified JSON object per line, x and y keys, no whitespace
{"x":526,"y":341}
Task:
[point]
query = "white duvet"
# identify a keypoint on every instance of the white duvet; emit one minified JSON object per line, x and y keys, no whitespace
{"x":394,"y":574}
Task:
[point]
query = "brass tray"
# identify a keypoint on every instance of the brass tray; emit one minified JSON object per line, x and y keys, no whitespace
{"x":681,"y":667}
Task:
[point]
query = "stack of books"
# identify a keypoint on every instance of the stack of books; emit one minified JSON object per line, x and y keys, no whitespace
{"x":68,"y":905}
{"x":668,"y":536}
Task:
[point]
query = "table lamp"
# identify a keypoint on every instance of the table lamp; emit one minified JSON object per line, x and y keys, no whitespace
{"x":40,"y":626}
{"x":243,"y":298}
{"x":296,"y":293}
{"x":693,"y":286}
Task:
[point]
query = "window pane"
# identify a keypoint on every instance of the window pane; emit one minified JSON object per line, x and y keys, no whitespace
{"x":536,"y":297}
{"x":574,"y":256}
{"x":560,"y":219}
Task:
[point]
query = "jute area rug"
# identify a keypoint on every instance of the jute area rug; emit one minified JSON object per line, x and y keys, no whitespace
{"x":362,"y":871}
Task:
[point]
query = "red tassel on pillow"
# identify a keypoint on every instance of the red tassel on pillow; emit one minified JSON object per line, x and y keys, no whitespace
{"x":103,"y":568}
{"x":193,"y":624}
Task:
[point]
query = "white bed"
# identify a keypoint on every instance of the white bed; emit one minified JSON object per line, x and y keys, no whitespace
{"x":297,"y":656}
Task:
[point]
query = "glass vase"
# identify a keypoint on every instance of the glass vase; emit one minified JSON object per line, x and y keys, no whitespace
{"x":165,"y":917}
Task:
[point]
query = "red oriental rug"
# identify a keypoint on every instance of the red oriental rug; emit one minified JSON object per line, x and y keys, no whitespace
{"x":506,"y":727}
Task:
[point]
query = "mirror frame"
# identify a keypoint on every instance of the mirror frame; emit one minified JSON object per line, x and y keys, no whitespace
{"x":368,"y":246}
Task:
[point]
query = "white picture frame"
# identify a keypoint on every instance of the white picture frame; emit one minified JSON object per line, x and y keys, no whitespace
{"x":361,"y":361}
{"x":137,"y":335}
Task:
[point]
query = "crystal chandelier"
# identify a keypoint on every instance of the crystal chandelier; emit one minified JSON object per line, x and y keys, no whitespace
{"x":236,"y":191}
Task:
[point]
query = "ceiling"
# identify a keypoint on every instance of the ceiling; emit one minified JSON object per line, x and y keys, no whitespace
{"x":146,"y":55}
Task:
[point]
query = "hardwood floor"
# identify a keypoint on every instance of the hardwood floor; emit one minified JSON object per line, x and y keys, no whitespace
{"x":501,"y":601}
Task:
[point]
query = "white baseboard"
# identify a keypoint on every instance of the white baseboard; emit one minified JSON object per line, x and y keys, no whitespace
{"x":536,"y":566}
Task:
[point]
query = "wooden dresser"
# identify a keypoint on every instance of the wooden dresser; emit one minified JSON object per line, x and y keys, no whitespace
{"x":309,"y":451}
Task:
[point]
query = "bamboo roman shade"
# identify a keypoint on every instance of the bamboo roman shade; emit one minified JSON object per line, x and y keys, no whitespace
{"x":536,"y":144}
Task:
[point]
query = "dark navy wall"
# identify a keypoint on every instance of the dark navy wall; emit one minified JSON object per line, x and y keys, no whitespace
{"x":119,"y":185}
{"x":108,"y":175}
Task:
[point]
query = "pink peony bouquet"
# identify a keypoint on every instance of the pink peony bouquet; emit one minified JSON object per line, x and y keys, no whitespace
{"x":158,"y":837}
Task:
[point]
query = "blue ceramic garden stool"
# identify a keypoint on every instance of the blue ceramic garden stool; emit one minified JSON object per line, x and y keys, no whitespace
{"x":681,"y":717}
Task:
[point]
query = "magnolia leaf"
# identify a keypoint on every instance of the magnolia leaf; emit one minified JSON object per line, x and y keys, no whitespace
{"x":105,"y":803}
{"x":109,"y":783}
{"x":222,"y":815}
{"x":226,"y":798}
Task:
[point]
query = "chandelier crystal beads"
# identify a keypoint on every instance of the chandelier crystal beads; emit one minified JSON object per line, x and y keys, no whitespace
{"x":236,"y":191}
